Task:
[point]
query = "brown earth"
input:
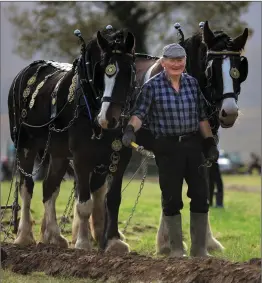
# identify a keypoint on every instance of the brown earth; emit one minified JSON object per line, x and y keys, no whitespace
{"x":128,"y":268}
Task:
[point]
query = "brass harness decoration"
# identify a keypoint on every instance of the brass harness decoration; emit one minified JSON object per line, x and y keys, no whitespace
{"x":110,"y":69}
{"x":26,"y":93}
{"x":32,"y":102}
{"x":234,"y":73}
{"x":72,"y":88}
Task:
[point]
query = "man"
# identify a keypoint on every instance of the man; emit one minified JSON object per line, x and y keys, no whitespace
{"x":173,"y":104}
{"x":254,"y":164}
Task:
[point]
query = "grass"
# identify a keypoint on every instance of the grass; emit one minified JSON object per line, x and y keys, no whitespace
{"x":237,"y":226}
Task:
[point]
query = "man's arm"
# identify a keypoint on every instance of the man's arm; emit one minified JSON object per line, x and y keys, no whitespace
{"x":135,"y":122}
{"x":205,"y":129}
{"x":141,"y":109}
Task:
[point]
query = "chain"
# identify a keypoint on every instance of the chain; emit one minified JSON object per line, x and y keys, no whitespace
{"x":131,"y":179}
{"x":7,"y":232}
{"x":15,"y":208}
{"x":42,"y":159}
{"x":52,"y":128}
{"x":68,"y":209}
{"x":145,"y":167}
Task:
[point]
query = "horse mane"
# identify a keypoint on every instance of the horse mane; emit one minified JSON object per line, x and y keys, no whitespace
{"x":196,"y":50}
{"x":196,"y":53}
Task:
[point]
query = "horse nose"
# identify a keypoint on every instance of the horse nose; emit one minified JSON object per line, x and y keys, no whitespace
{"x":224,"y":114}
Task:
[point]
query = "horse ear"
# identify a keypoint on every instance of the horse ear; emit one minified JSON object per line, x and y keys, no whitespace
{"x":101,"y":41}
{"x":241,"y":40}
{"x":208,"y":35}
{"x":130,"y":43}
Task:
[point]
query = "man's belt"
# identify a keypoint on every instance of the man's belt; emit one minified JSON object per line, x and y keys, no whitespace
{"x":180,"y":138}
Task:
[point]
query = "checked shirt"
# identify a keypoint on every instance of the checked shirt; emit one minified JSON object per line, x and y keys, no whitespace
{"x":168,"y":112}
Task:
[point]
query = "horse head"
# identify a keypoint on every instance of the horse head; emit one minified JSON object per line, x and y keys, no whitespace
{"x":215,"y":60}
{"x":118,"y":69}
{"x":225,"y":70}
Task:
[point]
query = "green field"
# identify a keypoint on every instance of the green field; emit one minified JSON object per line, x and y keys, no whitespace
{"x":237,"y":226}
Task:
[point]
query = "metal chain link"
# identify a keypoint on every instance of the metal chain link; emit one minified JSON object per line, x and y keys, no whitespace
{"x":15,"y":206}
{"x":137,"y":170}
{"x":41,"y":162}
{"x":145,"y":167}
{"x":52,"y":128}
{"x":68,"y":209}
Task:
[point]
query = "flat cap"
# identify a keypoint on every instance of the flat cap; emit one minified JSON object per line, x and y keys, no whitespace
{"x":174,"y":50}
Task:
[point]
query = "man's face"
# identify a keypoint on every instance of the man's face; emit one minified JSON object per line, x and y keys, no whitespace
{"x":174,"y":66}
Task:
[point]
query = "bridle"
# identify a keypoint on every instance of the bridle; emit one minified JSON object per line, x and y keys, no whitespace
{"x":210,"y":57}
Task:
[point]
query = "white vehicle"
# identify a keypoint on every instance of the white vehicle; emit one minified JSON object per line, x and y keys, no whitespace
{"x":224,"y":162}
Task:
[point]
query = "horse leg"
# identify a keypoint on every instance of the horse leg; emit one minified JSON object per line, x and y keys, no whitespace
{"x":98,"y":187}
{"x":25,"y":234}
{"x":212,"y":243}
{"x":84,"y":203}
{"x":97,"y":218}
{"x":50,"y":232}
{"x":113,"y":199}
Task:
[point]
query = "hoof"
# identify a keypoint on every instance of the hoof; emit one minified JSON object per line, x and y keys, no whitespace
{"x":83,"y":245}
{"x":25,"y":240}
{"x":214,"y":245}
{"x":117,"y":246}
{"x":58,"y":241}
{"x":165,"y":250}
{"x":178,"y":254}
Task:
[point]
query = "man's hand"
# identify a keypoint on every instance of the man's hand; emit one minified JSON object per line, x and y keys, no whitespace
{"x":210,"y":149}
{"x":129,"y":136}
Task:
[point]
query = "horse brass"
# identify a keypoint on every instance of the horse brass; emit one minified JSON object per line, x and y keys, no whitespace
{"x":31,"y":80}
{"x":24,"y":113}
{"x":26,"y":92}
{"x":116,"y":145}
{"x":234,"y":73}
{"x":31,"y":104}
{"x":112,"y":168}
{"x":110,"y":69}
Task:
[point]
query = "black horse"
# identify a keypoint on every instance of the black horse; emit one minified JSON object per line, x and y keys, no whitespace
{"x":215,"y":60}
{"x":53,"y":107}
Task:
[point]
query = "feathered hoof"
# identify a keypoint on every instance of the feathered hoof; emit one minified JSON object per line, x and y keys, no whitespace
{"x":83,"y":245}
{"x":25,"y":240}
{"x":117,"y":246}
{"x":57,"y":240}
{"x":165,"y":250}
{"x":214,"y":245}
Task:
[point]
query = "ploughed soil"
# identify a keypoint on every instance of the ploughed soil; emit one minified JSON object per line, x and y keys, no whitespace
{"x":127,"y":268}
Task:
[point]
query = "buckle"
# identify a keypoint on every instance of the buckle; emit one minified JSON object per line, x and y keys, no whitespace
{"x":180,"y":138}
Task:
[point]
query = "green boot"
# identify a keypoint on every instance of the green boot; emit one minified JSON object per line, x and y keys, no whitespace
{"x":174,"y":227}
{"x":198,"y":230}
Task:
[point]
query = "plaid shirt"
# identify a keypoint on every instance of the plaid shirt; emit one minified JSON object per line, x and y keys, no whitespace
{"x":168,"y":112}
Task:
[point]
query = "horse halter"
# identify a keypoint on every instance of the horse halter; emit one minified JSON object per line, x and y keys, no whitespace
{"x":111,"y":71}
{"x":234,"y":73}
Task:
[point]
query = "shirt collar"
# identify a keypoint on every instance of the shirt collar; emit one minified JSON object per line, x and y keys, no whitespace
{"x":164,"y":75}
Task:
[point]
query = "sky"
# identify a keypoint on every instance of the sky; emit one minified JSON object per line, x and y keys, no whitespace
{"x":244,"y":137}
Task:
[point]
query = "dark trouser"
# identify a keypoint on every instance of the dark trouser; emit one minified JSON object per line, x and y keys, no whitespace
{"x":177,"y":161}
{"x":215,"y":179}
